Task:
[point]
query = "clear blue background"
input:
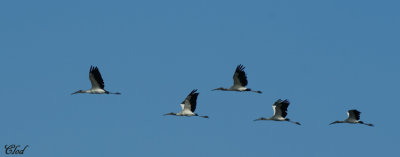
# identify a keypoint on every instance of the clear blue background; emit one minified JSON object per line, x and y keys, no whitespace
{"x":324,"y":56}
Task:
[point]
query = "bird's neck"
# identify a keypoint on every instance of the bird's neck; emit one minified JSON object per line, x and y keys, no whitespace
{"x":338,"y":122}
{"x":172,"y":113}
{"x":223,"y":89}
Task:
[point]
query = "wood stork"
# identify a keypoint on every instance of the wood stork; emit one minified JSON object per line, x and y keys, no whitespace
{"x":188,"y":106}
{"x":239,"y":81}
{"x":97,"y":83}
{"x":353,"y":118}
{"x":280,"y":112}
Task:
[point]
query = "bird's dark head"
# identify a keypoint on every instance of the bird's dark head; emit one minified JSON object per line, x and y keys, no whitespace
{"x":79,"y":91}
{"x":171,"y":113}
{"x":220,"y":88}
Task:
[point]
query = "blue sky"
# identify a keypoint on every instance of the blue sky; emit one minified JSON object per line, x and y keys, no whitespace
{"x":326,"y":57}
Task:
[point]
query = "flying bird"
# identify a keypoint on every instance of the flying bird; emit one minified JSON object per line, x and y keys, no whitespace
{"x":353,"y":118}
{"x":280,"y":112}
{"x":239,"y":81}
{"x":188,"y":106}
{"x":97,"y":83}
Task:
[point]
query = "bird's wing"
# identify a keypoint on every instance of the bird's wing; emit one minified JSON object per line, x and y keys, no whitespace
{"x":276,"y":107}
{"x":95,"y":78}
{"x":193,"y":102}
{"x":353,"y":114}
{"x":284,"y":105}
{"x":190,"y":101}
{"x":240,"y":78}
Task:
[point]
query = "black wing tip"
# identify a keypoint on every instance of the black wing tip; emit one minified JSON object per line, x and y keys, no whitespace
{"x":354,"y":110}
{"x":240,"y":68}
{"x":193,"y":92}
{"x":93,"y":68}
{"x":277,"y":102}
{"x":286,"y":101}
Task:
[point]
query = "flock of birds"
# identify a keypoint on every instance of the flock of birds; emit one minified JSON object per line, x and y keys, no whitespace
{"x":239,"y":84}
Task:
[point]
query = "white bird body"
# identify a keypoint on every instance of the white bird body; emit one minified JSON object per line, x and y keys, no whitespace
{"x":185,"y":113}
{"x":277,"y":118}
{"x":96,"y":91}
{"x":239,"y":88}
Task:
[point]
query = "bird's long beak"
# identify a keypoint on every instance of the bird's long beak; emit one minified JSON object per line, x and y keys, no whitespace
{"x":74,"y":92}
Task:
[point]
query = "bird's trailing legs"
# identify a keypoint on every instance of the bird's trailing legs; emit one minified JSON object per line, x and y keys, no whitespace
{"x":202,"y":116}
{"x":288,"y":120}
{"x":116,"y":93}
{"x":293,"y":122}
{"x":369,"y":124}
